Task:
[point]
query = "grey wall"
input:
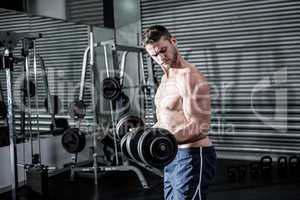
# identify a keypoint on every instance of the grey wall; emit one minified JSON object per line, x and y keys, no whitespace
{"x":53,"y":8}
{"x":128,"y":28}
{"x":249,"y":52}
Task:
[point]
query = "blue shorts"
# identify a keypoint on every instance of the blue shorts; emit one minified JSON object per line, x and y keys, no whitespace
{"x":189,"y":174}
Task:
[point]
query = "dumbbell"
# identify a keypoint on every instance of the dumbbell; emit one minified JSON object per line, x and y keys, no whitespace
{"x":294,"y":165}
{"x":152,"y":146}
{"x":266,"y":166}
{"x":282,"y":166}
{"x":232,"y":173}
{"x":254,"y":169}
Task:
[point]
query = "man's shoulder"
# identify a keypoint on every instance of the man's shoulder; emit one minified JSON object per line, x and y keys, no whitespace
{"x":193,"y":74}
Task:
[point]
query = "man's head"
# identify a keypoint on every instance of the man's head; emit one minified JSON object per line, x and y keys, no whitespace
{"x":161,"y":45}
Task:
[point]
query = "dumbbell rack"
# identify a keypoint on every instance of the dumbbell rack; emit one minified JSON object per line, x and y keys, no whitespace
{"x":123,"y":166}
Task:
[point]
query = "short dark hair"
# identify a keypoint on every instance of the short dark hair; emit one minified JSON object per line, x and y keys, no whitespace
{"x":154,"y":33}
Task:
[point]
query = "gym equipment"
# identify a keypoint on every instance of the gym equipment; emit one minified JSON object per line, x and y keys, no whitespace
{"x":282,"y":166}
{"x":73,"y":140}
{"x":3,"y":111}
{"x":53,"y":105}
{"x":59,"y":126}
{"x":4,"y":136}
{"x":129,"y":144}
{"x":111,"y":88}
{"x":9,"y":40}
{"x":266,"y":166}
{"x":232,"y":173}
{"x":254,"y":169}
{"x":294,"y":165}
{"x":122,"y":104}
{"x":95,"y":168}
{"x":155,"y":147}
{"x":77,"y":109}
{"x":31,"y":88}
{"x":242,"y":171}
{"x":113,"y":105}
{"x":126,"y":123}
{"x":56,"y":104}
{"x":37,"y":179}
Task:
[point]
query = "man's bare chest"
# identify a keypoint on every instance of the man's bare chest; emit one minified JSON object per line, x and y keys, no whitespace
{"x":168,"y":95}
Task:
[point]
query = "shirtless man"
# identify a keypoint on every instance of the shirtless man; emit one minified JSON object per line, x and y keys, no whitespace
{"x":183,"y":107}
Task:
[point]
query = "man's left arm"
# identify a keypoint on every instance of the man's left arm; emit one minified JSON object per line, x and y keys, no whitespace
{"x":196,"y":108}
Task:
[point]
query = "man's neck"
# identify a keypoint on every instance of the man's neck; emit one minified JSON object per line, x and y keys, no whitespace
{"x":179,"y":64}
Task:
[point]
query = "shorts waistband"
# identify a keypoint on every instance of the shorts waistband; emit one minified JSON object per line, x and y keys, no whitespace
{"x":195,"y":149}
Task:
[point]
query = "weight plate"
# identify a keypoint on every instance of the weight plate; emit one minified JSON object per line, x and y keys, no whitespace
{"x":126,"y":123}
{"x":73,"y":140}
{"x":111,"y":88}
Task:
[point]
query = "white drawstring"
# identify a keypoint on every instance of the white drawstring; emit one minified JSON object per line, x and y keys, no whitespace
{"x":200,"y":177}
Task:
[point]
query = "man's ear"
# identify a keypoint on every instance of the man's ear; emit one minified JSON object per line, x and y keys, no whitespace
{"x":173,"y":40}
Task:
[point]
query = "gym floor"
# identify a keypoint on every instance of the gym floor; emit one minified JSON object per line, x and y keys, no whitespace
{"x":126,"y":186}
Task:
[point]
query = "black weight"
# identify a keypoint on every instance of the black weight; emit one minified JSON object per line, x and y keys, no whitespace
{"x":254,"y":169}
{"x":56,"y":104}
{"x":282,"y":166}
{"x":232,"y":173}
{"x":4,"y":136}
{"x":129,"y":144}
{"x":111,"y":88}
{"x":61,"y":124}
{"x":266,"y":166}
{"x":126,"y":123}
{"x":294,"y":164}
{"x":122,"y":105}
{"x":3,"y":110}
{"x":242,"y":171}
{"x":157,"y":147}
{"x":31,"y":88}
{"x":73,"y":140}
{"x":77,"y":109}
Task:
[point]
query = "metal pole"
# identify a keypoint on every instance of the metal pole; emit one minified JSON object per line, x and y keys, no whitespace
{"x":111,"y":106}
{"x":12,"y":134}
{"x":84,"y":64}
{"x":29,"y":103}
{"x":36,"y":98}
{"x":95,"y":164}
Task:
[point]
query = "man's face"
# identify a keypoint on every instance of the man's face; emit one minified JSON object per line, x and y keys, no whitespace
{"x":163,"y":52}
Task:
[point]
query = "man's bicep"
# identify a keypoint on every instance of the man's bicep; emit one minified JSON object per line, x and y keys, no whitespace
{"x":197,"y":102}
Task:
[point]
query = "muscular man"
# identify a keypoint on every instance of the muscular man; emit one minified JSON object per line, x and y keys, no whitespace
{"x":182,"y":107}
